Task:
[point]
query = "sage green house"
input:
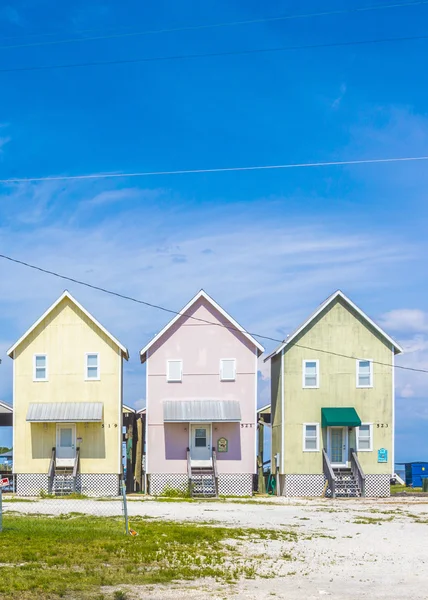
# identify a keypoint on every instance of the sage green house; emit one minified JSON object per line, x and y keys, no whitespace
{"x":333,"y":405}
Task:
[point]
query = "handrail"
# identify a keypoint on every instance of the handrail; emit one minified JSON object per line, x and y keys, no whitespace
{"x":358,"y":473}
{"x":76,"y":468}
{"x":215,"y":472}
{"x":51,"y":472}
{"x":329,"y":473}
{"x":189,"y":471}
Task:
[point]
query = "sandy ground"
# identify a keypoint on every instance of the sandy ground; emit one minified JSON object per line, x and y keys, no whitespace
{"x":345,"y":549}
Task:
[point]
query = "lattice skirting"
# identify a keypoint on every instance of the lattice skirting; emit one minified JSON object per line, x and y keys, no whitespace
{"x":378,"y":486}
{"x":234,"y":484}
{"x":159,"y":483}
{"x":95,"y":485}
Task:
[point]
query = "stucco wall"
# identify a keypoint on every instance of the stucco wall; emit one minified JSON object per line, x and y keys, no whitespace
{"x":200,"y":347}
{"x":65,"y":336}
{"x":340,"y":330}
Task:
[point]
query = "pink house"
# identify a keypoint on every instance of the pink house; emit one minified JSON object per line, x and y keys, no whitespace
{"x":201,"y":403}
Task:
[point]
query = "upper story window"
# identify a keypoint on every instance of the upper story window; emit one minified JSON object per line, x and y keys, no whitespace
{"x":365,"y":437}
{"x":311,"y":437}
{"x":364,"y":373}
{"x":227,"y":369}
{"x":92,"y":366}
{"x":40,"y":367}
{"x":311,"y":376}
{"x":174,"y":370}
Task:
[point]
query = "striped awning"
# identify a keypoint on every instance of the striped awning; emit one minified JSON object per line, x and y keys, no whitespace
{"x":199,"y":411}
{"x":65,"y":412}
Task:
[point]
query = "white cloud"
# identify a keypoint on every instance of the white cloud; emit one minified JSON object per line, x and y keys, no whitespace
{"x":405,"y":320}
{"x":337,"y":102}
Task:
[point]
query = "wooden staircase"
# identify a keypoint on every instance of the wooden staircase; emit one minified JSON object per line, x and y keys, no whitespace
{"x":62,"y":479}
{"x":203,"y":478}
{"x":346,"y":484}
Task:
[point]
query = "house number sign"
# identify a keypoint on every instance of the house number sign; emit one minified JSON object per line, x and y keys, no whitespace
{"x":246,"y":425}
{"x":381,"y":425}
{"x":222,"y":445}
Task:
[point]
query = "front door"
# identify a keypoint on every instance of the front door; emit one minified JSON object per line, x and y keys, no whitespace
{"x":338,"y":452}
{"x":200,"y":442}
{"x":66,"y":441}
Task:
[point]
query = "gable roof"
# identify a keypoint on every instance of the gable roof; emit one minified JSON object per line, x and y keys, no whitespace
{"x":338,"y":294}
{"x":5,"y":408}
{"x":66,"y":294}
{"x":200,"y":294}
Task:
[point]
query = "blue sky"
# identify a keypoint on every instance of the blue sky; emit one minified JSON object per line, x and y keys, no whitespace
{"x":269,"y":246}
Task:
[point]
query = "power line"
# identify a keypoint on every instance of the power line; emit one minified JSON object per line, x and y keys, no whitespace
{"x":182,"y":314}
{"x":129,"y":61}
{"x":337,"y":163}
{"x":215,"y":25}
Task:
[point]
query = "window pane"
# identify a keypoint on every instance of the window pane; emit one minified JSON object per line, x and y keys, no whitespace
{"x":40,"y":361}
{"x":364,"y":443}
{"x":65,"y":438}
{"x":92,"y":360}
{"x":310,"y":381}
{"x":228,"y":369}
{"x":40,"y":373}
{"x":311,"y":431}
{"x":311,"y":443}
{"x":365,"y":430}
{"x":92,"y":372}
{"x":364,"y":367}
{"x":174,"y":370}
{"x":364,"y":380}
{"x":311,"y":368}
{"x":200,"y":438}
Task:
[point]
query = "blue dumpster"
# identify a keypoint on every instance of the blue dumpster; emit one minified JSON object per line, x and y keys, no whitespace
{"x":415,"y":473}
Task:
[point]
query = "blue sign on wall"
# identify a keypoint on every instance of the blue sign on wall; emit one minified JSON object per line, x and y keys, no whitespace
{"x":382,"y":455}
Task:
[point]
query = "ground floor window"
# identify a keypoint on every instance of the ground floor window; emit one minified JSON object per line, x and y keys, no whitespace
{"x":311,"y":437}
{"x":365,"y":437}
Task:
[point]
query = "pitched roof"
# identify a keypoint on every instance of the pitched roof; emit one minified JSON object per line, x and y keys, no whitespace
{"x":338,"y":294}
{"x":66,"y":294}
{"x":183,"y":312}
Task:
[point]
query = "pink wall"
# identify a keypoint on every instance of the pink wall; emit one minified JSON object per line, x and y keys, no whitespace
{"x":200,"y":347}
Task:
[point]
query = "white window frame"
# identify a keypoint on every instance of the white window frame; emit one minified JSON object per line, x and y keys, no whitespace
{"x":370,"y":449}
{"x":97,"y":378}
{"x":357,"y":372}
{"x":221,"y":370}
{"x":171,"y":360}
{"x":317,"y":449}
{"x":46,"y":378}
{"x":317,"y":362}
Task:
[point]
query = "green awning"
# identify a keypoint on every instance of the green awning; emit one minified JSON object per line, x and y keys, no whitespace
{"x":337,"y":417}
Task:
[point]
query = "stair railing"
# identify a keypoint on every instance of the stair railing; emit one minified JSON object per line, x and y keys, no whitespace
{"x":189,"y":471}
{"x":51,"y":472}
{"x":215,"y":472}
{"x":76,"y":468}
{"x":329,"y":473}
{"x":358,"y":473}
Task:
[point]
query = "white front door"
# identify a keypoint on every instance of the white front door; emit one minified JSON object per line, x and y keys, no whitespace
{"x":66,"y":441}
{"x":338,"y":446}
{"x":200,"y":442}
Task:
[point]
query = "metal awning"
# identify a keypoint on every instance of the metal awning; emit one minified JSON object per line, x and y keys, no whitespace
{"x":340,"y":417}
{"x":68,"y":412}
{"x":198,"y":411}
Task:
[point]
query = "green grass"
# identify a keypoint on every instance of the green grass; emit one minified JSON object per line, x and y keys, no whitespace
{"x":74,"y":556}
{"x":396,"y":489}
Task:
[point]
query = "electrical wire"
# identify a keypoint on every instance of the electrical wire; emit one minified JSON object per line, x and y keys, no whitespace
{"x":337,"y":163}
{"x":182,"y":314}
{"x":212,"y":25}
{"x":130,"y":61}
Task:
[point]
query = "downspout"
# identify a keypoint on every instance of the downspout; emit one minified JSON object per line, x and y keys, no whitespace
{"x":281,"y":454}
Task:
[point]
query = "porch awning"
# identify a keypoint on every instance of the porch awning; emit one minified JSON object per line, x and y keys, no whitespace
{"x":337,"y":417}
{"x":65,"y":412}
{"x":199,"y":411}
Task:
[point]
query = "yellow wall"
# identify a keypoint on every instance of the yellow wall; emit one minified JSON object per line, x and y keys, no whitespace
{"x":341,"y":330}
{"x":65,"y":336}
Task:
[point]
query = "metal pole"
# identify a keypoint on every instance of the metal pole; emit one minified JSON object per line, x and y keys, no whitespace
{"x":125,"y":507}
{"x":1,"y":510}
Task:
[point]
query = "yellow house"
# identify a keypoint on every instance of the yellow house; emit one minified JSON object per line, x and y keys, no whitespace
{"x":67,"y":400}
{"x":333,"y":413}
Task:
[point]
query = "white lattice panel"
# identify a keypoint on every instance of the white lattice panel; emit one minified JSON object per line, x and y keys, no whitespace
{"x":303,"y":485}
{"x":31,"y":484}
{"x":161,"y":482}
{"x":235,"y":484}
{"x":378,"y":486}
{"x":98,"y":485}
